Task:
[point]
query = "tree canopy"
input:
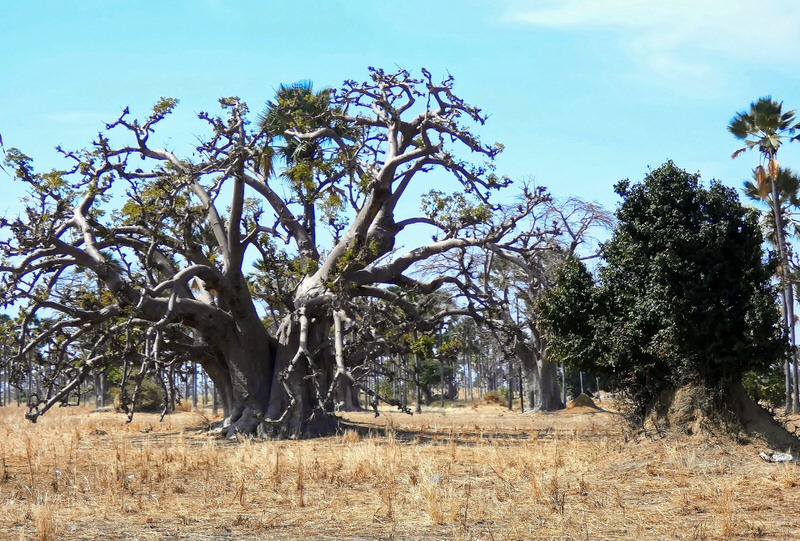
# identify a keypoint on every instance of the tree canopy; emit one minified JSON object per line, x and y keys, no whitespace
{"x":683,"y":295}
{"x":137,"y":256}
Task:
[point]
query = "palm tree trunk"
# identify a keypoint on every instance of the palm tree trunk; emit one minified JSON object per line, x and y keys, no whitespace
{"x":788,"y":297}
{"x":788,"y":373}
{"x":791,"y":363}
{"x":796,"y":385}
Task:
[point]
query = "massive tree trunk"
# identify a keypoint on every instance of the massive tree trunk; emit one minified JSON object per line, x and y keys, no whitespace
{"x":275,"y":387}
{"x":288,"y":386}
{"x":242,"y":375}
{"x":541,"y":385}
{"x":541,"y":378}
{"x":546,"y":385}
{"x":289,"y":404}
{"x":300,"y":402}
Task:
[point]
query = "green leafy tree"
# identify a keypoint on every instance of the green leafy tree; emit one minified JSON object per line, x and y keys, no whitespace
{"x":684,"y":295}
{"x":298,"y":109}
{"x":566,"y":312}
{"x":789,"y":201}
{"x":427,"y":366}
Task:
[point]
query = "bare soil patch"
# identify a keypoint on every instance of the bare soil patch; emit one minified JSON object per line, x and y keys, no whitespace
{"x":458,"y":473}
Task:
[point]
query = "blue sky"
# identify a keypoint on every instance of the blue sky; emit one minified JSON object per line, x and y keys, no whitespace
{"x":582,"y":93}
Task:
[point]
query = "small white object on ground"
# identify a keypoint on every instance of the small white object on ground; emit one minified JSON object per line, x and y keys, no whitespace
{"x":771,"y":456}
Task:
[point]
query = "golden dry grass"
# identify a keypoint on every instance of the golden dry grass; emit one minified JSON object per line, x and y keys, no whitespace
{"x":460,"y":473}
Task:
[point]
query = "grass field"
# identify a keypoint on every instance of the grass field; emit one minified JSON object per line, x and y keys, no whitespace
{"x":461,"y":473}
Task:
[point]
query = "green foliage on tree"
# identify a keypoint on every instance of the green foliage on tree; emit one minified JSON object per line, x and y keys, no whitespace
{"x":766,"y":388}
{"x":684,"y":295}
{"x":435,"y":358}
{"x":150,"y":397}
{"x":788,"y":184}
{"x":430,"y":373}
{"x":566,"y":312}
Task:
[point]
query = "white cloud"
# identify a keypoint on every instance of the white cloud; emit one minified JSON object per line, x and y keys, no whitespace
{"x":676,"y":40}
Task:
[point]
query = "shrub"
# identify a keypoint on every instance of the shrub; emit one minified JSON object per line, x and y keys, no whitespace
{"x":150,"y":399}
{"x":766,"y":388}
{"x":499,"y":397}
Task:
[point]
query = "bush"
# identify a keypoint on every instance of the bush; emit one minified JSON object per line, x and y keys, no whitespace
{"x":150,"y":399}
{"x":499,"y":397}
{"x":683,"y":297}
{"x":766,"y":388}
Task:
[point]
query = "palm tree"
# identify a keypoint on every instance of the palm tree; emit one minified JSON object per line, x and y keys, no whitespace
{"x":788,"y":183}
{"x":298,"y":108}
{"x":764,"y":127}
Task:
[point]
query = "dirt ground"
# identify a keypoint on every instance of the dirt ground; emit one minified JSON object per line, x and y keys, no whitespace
{"x":461,"y":473}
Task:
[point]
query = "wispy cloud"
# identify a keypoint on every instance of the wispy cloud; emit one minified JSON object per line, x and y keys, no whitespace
{"x":679,"y":40}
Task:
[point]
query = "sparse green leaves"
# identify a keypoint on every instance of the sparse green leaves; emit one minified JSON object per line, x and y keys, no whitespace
{"x":164,"y":106}
{"x":453,"y":212}
{"x":423,"y":346}
{"x":21,"y":164}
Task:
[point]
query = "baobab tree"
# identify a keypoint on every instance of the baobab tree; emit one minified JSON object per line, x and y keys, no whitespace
{"x":500,"y":286}
{"x":145,"y":251}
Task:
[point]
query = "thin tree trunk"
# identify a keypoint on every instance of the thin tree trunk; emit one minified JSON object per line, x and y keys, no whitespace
{"x":788,"y":297}
{"x":796,"y":383}
{"x":510,"y":386}
{"x":793,"y":356}
{"x":481,"y":377}
{"x":215,"y":400}
{"x":404,"y":382}
{"x":30,"y":381}
{"x":441,"y":381}
{"x":194,"y":385}
{"x":469,"y":376}
{"x":4,"y":380}
{"x":416,"y":382}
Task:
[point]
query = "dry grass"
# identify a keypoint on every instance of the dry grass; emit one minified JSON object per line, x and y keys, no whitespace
{"x":460,"y":473}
